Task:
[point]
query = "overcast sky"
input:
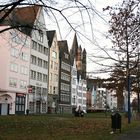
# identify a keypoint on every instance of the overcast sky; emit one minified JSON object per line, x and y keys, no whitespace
{"x":90,"y":38}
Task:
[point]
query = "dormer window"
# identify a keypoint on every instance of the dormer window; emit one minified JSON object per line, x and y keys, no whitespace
{"x":40,"y":36}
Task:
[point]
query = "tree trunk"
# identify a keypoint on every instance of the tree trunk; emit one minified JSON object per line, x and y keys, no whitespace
{"x":120,"y":99}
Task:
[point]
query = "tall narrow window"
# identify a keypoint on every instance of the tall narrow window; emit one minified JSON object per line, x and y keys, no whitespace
{"x":14,"y":67}
{"x":14,"y":52}
{"x":34,"y":45}
{"x":23,"y":84}
{"x":12,"y":82}
{"x":40,"y":36}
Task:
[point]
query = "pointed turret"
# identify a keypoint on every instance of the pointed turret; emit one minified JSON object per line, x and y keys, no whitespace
{"x":84,"y":63}
{"x":73,"y":51}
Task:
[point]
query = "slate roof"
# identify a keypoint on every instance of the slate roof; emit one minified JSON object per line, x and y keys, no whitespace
{"x":23,"y":16}
{"x":84,"y":51}
{"x":73,"y":51}
{"x":50,"y":36}
{"x":63,"y":47}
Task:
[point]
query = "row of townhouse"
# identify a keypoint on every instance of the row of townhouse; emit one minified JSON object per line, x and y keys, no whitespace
{"x":38,"y":73}
{"x":98,"y":97}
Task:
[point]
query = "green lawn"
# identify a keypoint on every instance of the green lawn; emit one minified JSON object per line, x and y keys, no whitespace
{"x":95,"y":126}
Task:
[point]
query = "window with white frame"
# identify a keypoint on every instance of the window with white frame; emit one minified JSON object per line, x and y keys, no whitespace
{"x":45,"y":78}
{"x":45,"y":51}
{"x":34,"y":45}
{"x":39,"y":76}
{"x":15,"y":37}
{"x":24,"y":56}
{"x":23,"y":84}
{"x":13,"y":82}
{"x":14,"y":52}
{"x":24,"y":70}
{"x":39,"y":62}
{"x":33,"y":59}
{"x":33,"y":74}
{"x":65,"y":98}
{"x":65,"y":76}
{"x":26,"y":42}
{"x":45,"y":64}
{"x":20,"y":38}
{"x":14,"y":67}
{"x":65,"y":66}
{"x":40,"y":36}
{"x":54,"y":54}
{"x":40,"y":48}
{"x":65,"y":87}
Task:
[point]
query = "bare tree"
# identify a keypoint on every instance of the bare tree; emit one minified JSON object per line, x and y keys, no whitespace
{"x":125,"y":32}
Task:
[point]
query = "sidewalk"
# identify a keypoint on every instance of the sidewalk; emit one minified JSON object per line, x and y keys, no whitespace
{"x":132,"y":135}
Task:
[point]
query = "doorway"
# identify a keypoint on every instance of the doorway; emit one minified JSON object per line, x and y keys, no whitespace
{"x":4,"y":109}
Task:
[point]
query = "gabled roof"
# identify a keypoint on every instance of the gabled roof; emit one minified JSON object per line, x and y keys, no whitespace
{"x":75,"y":42}
{"x":84,"y":51}
{"x":63,"y":47}
{"x":50,"y":36}
{"x":23,"y":16}
{"x":73,"y":51}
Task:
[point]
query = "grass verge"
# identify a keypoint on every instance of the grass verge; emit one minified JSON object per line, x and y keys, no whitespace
{"x":95,"y":126}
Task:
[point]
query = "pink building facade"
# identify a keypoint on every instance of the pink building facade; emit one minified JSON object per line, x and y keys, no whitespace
{"x":14,"y":71}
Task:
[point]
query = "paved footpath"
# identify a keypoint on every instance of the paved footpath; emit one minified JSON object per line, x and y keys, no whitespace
{"x":132,"y":135}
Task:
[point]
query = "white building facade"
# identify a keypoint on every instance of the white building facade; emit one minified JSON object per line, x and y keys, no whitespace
{"x":39,"y":67}
{"x":74,"y":87}
{"x":81,"y":93}
{"x":111,"y":99}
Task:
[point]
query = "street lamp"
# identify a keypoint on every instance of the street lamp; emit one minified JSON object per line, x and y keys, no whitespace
{"x":138,"y":82}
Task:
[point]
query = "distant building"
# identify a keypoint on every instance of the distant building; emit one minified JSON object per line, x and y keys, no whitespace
{"x":81,"y":92}
{"x":64,"y":78}
{"x":111,"y":99}
{"x":101,"y":98}
{"x":53,"y":71}
{"x":78,"y":75}
{"x":74,"y":86}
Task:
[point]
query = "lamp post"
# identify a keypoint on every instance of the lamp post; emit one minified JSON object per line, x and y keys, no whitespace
{"x":127,"y":70}
{"x":138,"y":82}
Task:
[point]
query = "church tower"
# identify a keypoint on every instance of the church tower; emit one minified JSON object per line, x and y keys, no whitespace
{"x":84,"y":64}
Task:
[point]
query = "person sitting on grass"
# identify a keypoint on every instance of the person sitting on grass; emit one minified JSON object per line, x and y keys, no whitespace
{"x":79,"y":112}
